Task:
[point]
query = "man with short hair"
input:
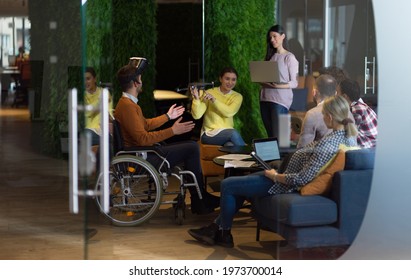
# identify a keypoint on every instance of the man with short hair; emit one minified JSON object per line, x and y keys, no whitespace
{"x":338,"y":74}
{"x":313,"y":127}
{"x":136,"y":130}
{"x":365,"y":118}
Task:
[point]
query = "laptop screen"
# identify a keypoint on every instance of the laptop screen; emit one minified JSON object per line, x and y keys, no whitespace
{"x":267,"y":148}
{"x":265,"y":72}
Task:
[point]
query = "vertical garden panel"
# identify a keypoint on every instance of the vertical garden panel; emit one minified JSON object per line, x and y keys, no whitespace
{"x":134,"y":34}
{"x":235,"y":34}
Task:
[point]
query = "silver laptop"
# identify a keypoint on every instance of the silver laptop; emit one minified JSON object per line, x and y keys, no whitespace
{"x":267,"y":148}
{"x":265,"y":72}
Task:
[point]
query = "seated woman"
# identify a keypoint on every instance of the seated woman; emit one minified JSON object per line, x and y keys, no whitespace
{"x":302,"y":168}
{"x":92,"y":97}
{"x":218,"y":106}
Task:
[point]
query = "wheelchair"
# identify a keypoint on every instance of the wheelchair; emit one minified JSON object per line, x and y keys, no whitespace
{"x":137,"y":188}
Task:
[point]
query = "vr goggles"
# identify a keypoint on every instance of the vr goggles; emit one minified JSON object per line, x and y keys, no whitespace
{"x":140,"y":63}
{"x":137,"y":63}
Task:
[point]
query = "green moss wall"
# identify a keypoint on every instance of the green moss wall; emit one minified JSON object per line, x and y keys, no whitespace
{"x":235,"y":34}
{"x":134,"y":34}
{"x":98,"y":38}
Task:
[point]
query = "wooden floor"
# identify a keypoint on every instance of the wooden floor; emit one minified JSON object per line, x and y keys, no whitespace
{"x":35,"y":222}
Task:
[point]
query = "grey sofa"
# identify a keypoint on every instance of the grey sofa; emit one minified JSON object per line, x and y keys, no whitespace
{"x":313,"y":221}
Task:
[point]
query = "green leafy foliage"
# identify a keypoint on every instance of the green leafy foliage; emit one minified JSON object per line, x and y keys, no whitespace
{"x":117,"y":30}
{"x":134,"y":34}
{"x":235,"y":34}
{"x":98,"y":38}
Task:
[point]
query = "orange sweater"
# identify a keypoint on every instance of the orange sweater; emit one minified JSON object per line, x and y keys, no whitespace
{"x":135,"y":128}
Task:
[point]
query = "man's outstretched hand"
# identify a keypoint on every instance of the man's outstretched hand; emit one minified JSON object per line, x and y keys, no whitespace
{"x":182,"y":127}
{"x":174,"y":112}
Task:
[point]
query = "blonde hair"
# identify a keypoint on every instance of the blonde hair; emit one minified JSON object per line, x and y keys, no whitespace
{"x":338,"y":107}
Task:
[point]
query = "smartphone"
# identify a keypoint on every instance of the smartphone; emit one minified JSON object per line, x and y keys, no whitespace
{"x":262,"y":162}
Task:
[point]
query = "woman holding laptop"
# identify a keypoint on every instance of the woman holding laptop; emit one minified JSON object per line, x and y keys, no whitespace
{"x":302,"y":168}
{"x":276,"y":98}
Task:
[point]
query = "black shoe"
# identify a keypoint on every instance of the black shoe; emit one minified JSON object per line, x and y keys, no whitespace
{"x":201,"y":210}
{"x":211,"y":201}
{"x":224,"y":238}
{"x":198,"y":206}
{"x":206,"y":234}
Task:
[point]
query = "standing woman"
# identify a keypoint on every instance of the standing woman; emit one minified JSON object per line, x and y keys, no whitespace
{"x":276,"y":98}
{"x":218,"y":106}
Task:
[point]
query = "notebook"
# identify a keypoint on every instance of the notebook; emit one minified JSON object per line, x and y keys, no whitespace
{"x":265,"y":72}
{"x":267,"y":148}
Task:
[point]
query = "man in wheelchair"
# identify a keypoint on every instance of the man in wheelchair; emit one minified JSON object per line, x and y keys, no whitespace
{"x":136,"y":130}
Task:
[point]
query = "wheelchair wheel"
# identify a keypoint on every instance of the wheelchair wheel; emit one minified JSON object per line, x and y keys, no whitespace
{"x":135,"y":191}
{"x":179,"y":216}
{"x":179,"y":210}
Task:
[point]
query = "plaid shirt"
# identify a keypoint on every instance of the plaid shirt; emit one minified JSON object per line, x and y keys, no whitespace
{"x":306,"y":162}
{"x":366,"y":121}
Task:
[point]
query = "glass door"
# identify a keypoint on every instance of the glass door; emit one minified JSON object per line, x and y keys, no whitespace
{"x":303,"y":21}
{"x":88,"y":96}
{"x":333,"y":33}
{"x":350,"y":41}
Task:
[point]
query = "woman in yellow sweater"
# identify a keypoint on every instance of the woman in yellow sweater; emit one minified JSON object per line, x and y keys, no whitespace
{"x":218,"y":106}
{"x":92,"y":97}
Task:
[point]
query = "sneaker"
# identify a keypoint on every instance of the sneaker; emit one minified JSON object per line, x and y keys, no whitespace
{"x":224,"y":238}
{"x":206,"y":234}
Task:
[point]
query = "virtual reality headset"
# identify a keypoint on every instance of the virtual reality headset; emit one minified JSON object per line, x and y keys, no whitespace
{"x":140,"y":63}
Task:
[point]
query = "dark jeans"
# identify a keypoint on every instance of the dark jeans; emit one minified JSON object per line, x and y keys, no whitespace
{"x":235,"y":190}
{"x":270,"y":113}
{"x":186,"y":153}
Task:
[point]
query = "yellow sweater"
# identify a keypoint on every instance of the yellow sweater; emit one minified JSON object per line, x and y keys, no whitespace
{"x":93,"y":118}
{"x":218,"y":115}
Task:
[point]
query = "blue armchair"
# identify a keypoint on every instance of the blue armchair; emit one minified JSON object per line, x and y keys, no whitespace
{"x":315,"y":220}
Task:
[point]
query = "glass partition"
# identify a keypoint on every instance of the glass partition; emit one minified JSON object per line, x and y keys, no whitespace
{"x":304,"y":21}
{"x":61,"y":40}
{"x":334,"y":33}
{"x":14,"y":34}
{"x":352,"y":44}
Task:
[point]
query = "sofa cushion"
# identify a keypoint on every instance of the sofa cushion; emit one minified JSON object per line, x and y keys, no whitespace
{"x":322,"y":183}
{"x":296,"y":210}
{"x":360,"y":159}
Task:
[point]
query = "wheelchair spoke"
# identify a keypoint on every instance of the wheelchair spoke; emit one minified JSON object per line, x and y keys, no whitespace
{"x":135,"y":191}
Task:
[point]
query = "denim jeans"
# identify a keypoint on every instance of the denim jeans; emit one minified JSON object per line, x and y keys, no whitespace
{"x":235,"y":190}
{"x":270,"y":113}
{"x":224,"y":137}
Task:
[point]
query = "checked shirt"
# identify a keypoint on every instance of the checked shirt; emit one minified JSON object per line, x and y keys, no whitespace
{"x":306,"y":162}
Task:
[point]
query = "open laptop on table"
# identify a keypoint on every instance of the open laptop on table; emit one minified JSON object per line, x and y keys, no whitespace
{"x":265,"y":72}
{"x":266,"y":150}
